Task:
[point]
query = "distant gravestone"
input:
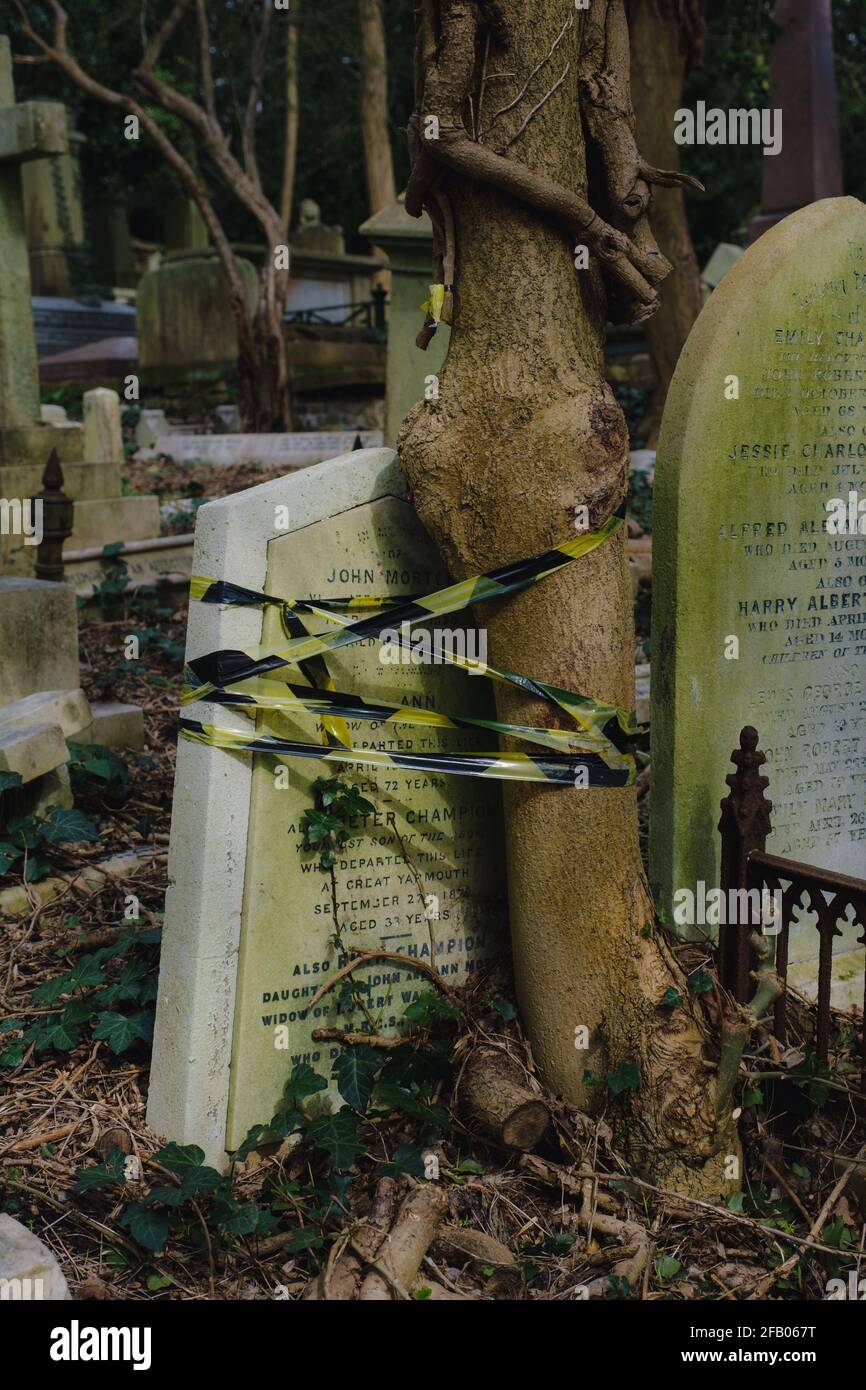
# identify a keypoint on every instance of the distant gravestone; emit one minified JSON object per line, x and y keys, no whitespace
{"x":759,"y":610}
{"x":249,"y":931}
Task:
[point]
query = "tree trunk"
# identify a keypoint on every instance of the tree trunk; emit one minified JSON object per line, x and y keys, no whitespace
{"x":665,"y":42}
{"x":290,"y":140}
{"x":378,"y":161}
{"x":525,"y":429}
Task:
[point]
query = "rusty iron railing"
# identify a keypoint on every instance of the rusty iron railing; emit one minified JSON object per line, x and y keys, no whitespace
{"x":744,"y":827}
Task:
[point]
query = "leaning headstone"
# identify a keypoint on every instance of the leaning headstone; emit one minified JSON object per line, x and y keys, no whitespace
{"x":249,"y":930}
{"x":296,"y":450}
{"x":54,"y":217}
{"x":759,"y":600}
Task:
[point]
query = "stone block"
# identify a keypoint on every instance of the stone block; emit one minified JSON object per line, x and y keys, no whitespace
{"x":102,"y":522}
{"x":116,"y":725}
{"x":32,"y":749}
{"x":68,"y":708}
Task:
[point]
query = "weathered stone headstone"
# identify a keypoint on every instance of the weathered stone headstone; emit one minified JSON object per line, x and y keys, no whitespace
{"x":103,"y":436}
{"x":54,"y":218}
{"x":249,"y":924}
{"x":759,"y":610}
{"x":28,"y":131}
{"x":408,"y":242}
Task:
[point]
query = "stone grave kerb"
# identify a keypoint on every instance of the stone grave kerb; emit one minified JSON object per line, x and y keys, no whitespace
{"x":28,"y":130}
{"x":190,"y":1078}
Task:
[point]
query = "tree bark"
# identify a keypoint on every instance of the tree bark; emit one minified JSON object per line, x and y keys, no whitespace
{"x":498,"y":1103}
{"x":666,"y":40}
{"x":378,"y":160}
{"x":290,"y":139}
{"x":524,"y":430}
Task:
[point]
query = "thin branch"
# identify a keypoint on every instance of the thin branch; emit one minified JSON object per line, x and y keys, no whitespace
{"x":522,"y":93}
{"x":517,"y":134}
{"x":257,"y":68}
{"x":205,"y":58}
{"x":162,"y":36}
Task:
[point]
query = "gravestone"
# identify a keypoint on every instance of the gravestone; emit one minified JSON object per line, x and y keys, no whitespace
{"x":408,"y":243}
{"x":28,"y":131}
{"x":54,"y":218}
{"x":759,"y":611}
{"x":249,"y":924}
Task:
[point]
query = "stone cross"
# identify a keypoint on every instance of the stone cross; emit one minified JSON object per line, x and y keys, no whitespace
{"x":28,"y":130}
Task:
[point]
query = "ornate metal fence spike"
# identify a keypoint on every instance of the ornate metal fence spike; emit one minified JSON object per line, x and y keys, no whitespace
{"x":744,"y":827}
{"x":57,"y":511}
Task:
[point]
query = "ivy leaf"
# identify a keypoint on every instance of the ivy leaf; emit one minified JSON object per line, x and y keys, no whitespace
{"x":148,"y":1227}
{"x":671,"y":999}
{"x":8,"y":852}
{"x":735,"y":1202}
{"x":625,"y":1078}
{"x":37,"y":868}
{"x":8,"y":780}
{"x":504,"y":1008}
{"x":700,"y":982}
{"x":303,"y":1082}
{"x":392,"y":1097}
{"x":101,"y":1174}
{"x":63,"y":825}
{"x":422,"y":1293}
{"x":338,"y":1136}
{"x":667,"y":1267}
{"x":430,"y":1006}
{"x":306,"y":1238}
{"x":754,"y":1097}
{"x":249,"y":1220}
{"x":179,"y":1158}
{"x":14,"y":1055}
{"x":408,"y":1160}
{"x":355,"y":1071}
{"x":120,"y":1031}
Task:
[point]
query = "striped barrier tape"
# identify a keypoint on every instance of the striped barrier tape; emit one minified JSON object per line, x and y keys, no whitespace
{"x":596,"y":753}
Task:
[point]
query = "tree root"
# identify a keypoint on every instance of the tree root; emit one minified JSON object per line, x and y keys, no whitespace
{"x":631,"y":1260}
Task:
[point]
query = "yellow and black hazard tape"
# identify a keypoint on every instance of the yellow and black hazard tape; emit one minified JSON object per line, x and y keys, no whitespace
{"x":599,"y":749}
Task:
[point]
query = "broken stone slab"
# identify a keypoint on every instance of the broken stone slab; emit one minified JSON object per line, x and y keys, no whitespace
{"x":28,"y":1269}
{"x":68,"y":708}
{"x":32,"y":750}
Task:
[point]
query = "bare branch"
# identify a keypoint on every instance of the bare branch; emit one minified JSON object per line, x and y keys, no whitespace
{"x":537,"y":107}
{"x":522,"y":93}
{"x":162,"y":36}
{"x":204,"y":58}
{"x":257,"y":69}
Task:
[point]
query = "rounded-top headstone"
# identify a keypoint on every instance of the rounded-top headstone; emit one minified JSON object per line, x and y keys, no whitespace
{"x":759,"y":596}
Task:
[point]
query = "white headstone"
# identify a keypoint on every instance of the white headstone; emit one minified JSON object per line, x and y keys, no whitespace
{"x":249,"y":926}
